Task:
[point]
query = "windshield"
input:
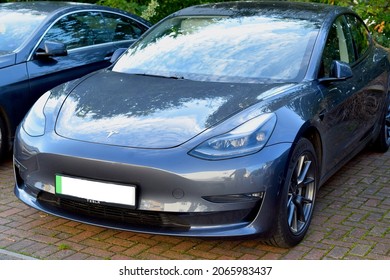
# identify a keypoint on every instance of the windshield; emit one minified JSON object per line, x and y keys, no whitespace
{"x":16,"y":27}
{"x":245,"y":49}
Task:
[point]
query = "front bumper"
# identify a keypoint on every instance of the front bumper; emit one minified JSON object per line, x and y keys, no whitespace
{"x":176,"y":194}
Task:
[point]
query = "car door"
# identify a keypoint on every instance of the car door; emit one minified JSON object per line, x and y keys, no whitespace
{"x":349,"y":106}
{"x":90,"y":44}
{"x":372,"y":67}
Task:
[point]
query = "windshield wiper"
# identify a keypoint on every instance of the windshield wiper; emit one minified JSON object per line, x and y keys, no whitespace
{"x":159,"y":76}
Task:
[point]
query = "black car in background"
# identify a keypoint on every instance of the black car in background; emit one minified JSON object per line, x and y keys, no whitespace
{"x":43,"y":44}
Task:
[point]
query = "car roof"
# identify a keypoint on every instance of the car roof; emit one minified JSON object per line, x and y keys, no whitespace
{"x":60,"y":7}
{"x":308,"y":11}
{"x":45,"y":7}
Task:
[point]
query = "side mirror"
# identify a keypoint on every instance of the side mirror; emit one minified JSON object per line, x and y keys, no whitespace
{"x":117,"y":54}
{"x":339,"y":71}
{"x":53,"y":49}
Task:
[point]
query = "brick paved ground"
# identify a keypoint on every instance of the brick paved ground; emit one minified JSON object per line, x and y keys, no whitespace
{"x":351,"y":221}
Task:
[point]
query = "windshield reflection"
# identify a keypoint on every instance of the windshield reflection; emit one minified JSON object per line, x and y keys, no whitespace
{"x":248,"y":49}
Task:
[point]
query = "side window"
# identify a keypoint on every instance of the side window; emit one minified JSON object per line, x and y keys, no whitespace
{"x":338,"y":46}
{"x":360,"y":34}
{"x":120,"y":28}
{"x":78,"y":30}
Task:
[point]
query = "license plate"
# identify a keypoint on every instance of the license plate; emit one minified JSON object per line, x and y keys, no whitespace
{"x":95,"y":191}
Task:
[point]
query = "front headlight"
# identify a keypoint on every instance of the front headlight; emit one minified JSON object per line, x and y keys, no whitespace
{"x":248,"y":138}
{"x":35,"y":121}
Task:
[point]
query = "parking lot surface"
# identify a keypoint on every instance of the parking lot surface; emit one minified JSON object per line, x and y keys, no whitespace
{"x":351,"y":221}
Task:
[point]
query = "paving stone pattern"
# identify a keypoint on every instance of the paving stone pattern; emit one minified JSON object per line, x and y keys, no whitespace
{"x":351,"y":221}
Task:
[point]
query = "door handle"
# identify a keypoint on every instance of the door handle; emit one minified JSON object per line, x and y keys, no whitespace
{"x":108,"y":56}
{"x":321,"y":115}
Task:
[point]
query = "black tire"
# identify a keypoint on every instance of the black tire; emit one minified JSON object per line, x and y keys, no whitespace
{"x":298,"y":196}
{"x":3,"y":141}
{"x":382,"y":143}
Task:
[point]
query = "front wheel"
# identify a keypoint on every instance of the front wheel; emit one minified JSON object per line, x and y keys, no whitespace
{"x":298,"y":196}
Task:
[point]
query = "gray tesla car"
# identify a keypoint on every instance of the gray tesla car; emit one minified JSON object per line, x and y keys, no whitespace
{"x":222,"y":120}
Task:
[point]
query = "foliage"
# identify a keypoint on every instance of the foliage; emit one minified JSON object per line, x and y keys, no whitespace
{"x":135,"y":7}
{"x":154,"y":10}
{"x":376,"y":14}
{"x":151,"y":10}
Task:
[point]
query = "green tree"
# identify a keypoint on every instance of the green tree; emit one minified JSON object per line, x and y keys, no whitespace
{"x":376,"y":15}
{"x":133,"y":6}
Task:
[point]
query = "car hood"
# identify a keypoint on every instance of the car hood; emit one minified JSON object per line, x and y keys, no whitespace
{"x":151,"y":112}
{"x":7,"y":59}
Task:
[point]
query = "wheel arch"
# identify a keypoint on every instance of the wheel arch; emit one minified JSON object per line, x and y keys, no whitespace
{"x":311,"y":133}
{"x":4,"y":119}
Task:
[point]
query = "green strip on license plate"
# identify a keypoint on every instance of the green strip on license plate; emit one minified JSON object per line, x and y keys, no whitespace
{"x":58,"y":184}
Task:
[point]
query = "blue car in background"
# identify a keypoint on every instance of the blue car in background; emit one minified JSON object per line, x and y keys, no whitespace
{"x":43,"y":44}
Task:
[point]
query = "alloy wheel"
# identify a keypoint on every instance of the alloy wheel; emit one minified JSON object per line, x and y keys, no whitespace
{"x":301,"y":194}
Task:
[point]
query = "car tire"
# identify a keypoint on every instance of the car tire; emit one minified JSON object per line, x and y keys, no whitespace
{"x":382,"y":143}
{"x":296,"y":204}
{"x":3,"y":141}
